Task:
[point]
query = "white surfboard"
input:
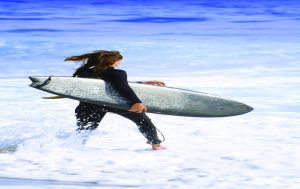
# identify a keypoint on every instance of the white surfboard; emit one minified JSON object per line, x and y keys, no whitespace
{"x":157,"y":99}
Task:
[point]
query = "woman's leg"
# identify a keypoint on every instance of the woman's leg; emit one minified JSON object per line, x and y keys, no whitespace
{"x":89,"y":116}
{"x":144,"y":123}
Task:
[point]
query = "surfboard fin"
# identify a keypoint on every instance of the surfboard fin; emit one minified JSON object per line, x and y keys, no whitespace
{"x":52,"y":97}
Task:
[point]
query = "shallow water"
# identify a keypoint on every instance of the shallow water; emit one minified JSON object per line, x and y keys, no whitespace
{"x":247,"y":51}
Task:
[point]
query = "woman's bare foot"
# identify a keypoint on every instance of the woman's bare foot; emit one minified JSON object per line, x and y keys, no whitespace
{"x":158,"y":147}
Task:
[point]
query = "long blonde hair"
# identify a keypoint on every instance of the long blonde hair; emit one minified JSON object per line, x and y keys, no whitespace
{"x":99,"y":60}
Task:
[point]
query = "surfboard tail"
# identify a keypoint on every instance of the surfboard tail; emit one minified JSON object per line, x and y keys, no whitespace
{"x":33,"y":79}
{"x":38,"y":82}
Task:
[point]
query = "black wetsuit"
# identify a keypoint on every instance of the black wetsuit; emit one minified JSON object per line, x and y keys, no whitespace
{"x":89,"y":115}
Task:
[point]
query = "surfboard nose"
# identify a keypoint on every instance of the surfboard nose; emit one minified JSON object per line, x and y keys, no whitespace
{"x":231,"y":108}
{"x":244,"y":108}
{"x":249,"y":108}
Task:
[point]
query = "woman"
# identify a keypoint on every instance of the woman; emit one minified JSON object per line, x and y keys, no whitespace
{"x":101,"y":64}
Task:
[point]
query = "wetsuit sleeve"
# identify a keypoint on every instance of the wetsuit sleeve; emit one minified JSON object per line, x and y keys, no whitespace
{"x":118,"y":79}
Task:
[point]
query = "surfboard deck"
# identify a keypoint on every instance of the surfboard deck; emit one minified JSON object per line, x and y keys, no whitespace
{"x":157,"y":99}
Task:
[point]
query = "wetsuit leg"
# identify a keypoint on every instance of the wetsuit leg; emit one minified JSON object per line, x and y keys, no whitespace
{"x":88,"y":116}
{"x":144,"y":123}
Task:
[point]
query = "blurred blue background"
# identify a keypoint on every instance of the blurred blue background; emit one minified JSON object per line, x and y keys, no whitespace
{"x":155,"y":37}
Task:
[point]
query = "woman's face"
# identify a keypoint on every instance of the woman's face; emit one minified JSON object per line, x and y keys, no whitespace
{"x":117,"y":63}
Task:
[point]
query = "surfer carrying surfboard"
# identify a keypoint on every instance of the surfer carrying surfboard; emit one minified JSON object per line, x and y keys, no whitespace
{"x":102,"y":64}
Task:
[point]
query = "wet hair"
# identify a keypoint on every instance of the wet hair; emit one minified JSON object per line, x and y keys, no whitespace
{"x":98,"y":60}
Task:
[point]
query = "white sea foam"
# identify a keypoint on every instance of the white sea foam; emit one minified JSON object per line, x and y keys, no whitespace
{"x":259,"y":149}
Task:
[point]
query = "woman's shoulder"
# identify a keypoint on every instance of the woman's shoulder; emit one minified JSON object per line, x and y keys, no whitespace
{"x":89,"y":73}
{"x":114,"y":75}
{"x":115,"y":71}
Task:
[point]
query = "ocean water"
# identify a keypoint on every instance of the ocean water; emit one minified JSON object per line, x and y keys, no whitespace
{"x":248,"y":51}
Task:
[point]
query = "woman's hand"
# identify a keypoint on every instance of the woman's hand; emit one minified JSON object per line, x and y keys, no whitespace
{"x":138,"y":108}
{"x":155,"y":82}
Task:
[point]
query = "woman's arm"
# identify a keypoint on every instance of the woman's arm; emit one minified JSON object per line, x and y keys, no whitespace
{"x":153,"y":82}
{"x":118,"y":78}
